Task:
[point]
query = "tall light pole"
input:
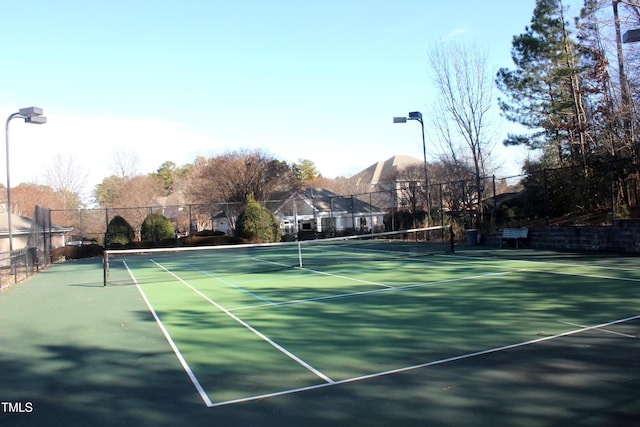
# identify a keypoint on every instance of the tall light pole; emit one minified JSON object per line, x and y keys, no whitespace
{"x":417,"y":115}
{"x":30,"y":115}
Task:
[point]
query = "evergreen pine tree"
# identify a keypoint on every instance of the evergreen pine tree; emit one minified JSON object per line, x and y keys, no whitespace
{"x":543,"y":91}
{"x":156,"y":227}
{"x":119,"y":232}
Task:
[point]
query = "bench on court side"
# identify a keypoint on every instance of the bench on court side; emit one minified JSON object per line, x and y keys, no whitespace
{"x":515,"y":234}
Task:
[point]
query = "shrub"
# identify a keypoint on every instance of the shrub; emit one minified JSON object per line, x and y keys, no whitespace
{"x":257,"y":223}
{"x":624,"y":212}
{"x":156,"y":227}
{"x":119,"y":232}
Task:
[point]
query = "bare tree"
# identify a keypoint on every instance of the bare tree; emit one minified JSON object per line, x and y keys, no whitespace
{"x":232,"y":177}
{"x":67,"y":178}
{"x":125,"y":162}
{"x":601,"y":26}
{"x":26,"y":196}
{"x":625,"y":91}
{"x":461,"y":115}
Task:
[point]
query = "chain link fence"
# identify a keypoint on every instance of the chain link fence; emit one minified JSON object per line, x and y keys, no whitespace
{"x":604,"y":191}
{"x":596,"y":193}
{"x":34,"y":248}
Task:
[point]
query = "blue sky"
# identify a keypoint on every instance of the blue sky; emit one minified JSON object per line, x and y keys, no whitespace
{"x":318,"y":80}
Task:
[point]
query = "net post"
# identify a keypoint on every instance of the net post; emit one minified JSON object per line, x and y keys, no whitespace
{"x":299,"y":254}
{"x":105,"y":268}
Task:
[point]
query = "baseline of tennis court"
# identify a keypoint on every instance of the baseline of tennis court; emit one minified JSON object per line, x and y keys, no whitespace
{"x":257,"y":326}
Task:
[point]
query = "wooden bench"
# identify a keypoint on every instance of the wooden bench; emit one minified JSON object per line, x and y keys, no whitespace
{"x":515,"y":234}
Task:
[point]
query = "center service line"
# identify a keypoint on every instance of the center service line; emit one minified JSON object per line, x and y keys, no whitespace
{"x":251,"y":328}
{"x":220,"y":279}
{"x":327,"y":274}
{"x":598,"y":329}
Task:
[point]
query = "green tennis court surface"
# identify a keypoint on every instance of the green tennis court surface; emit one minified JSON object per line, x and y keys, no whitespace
{"x":366,"y":336}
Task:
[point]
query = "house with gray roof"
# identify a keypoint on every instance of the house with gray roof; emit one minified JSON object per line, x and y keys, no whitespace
{"x":22,"y":228}
{"x":321,"y":211}
{"x":32,"y":241}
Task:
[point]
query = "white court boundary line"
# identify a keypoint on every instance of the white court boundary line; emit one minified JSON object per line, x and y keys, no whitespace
{"x":249,"y":327}
{"x":556,"y":264}
{"x":426,"y":364}
{"x":172,"y":344}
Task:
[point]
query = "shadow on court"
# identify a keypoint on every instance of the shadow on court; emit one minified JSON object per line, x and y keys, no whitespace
{"x":553,"y":384}
{"x":88,"y":355}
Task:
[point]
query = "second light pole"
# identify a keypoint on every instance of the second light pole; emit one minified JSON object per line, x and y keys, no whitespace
{"x":417,"y":115}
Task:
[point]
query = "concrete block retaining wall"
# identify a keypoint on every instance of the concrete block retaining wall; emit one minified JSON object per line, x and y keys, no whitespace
{"x":622,"y":236}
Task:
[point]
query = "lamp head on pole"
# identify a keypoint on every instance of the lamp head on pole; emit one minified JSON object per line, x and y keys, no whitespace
{"x":415,"y":115}
{"x":32,"y":115}
{"x":36,"y":120}
{"x":631,"y":36}
{"x":30,"y":111}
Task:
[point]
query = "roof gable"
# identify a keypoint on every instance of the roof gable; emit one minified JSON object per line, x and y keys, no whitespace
{"x":385,"y":170}
{"x":22,"y":225}
{"x":321,"y":200}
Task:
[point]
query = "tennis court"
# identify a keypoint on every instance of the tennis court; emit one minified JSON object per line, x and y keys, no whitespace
{"x":364,"y":333}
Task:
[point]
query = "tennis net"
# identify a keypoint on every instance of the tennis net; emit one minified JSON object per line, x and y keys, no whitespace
{"x":271,"y":257}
